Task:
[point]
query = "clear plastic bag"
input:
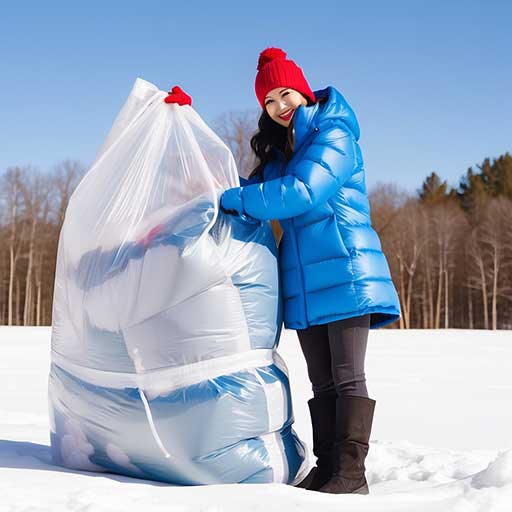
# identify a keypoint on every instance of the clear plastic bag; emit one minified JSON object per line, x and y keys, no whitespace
{"x":167,"y":314}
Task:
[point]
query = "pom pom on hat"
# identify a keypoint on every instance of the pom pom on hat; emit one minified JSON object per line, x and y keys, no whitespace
{"x":269,"y":55}
{"x":275,"y":70}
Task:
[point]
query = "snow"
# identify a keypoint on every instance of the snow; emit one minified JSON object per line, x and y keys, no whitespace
{"x":441,"y":441}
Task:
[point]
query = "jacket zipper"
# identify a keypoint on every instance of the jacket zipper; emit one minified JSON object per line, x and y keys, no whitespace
{"x":300,"y":269}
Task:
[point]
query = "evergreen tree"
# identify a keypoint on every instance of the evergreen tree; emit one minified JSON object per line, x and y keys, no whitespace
{"x":493,"y":179}
{"x":502,"y":175}
{"x":472,"y":191}
{"x":435,"y":191}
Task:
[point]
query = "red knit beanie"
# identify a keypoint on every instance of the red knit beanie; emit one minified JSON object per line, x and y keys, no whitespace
{"x":275,"y":70}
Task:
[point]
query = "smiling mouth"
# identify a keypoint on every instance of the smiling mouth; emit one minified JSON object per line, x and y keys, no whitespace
{"x":286,"y":116}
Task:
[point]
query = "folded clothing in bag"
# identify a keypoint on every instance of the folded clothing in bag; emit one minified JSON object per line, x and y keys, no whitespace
{"x":167,"y":314}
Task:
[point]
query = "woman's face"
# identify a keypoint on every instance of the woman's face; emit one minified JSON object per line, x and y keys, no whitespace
{"x":281,"y":103}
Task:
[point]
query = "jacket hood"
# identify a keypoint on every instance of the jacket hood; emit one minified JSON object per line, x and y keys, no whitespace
{"x":331,"y":104}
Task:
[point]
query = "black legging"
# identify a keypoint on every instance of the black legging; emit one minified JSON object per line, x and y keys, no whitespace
{"x":335,"y":355}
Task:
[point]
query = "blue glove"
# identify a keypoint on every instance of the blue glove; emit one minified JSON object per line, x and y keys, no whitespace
{"x":231,"y":201}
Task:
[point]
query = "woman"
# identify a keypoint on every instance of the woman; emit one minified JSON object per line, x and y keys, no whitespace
{"x":335,"y":278}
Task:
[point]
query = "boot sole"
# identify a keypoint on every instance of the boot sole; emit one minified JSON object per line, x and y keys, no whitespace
{"x":362,"y":490}
{"x":304,"y":484}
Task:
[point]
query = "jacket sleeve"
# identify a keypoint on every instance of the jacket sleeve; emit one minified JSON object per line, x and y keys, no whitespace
{"x":325,"y":166}
{"x":245,"y":182}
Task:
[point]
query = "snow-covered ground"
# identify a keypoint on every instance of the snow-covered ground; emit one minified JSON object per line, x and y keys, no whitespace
{"x":442,"y":436}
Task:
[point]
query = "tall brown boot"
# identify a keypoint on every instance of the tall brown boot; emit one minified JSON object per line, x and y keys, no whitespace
{"x":323,"y":422}
{"x":354,"y":417}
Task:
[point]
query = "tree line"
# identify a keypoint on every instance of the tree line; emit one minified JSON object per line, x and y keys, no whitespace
{"x":32,"y":209}
{"x":449,"y":248}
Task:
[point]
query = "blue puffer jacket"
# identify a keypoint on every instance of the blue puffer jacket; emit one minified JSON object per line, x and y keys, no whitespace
{"x":330,"y":258}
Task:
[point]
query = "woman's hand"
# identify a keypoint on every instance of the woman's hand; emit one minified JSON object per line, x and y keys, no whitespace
{"x":231,"y":201}
{"x":179,"y":96}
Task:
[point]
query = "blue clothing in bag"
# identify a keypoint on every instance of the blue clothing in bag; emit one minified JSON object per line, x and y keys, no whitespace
{"x":167,"y":316}
{"x":222,"y":416}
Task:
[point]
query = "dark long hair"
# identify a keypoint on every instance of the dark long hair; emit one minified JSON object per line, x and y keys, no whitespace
{"x":271,"y":135}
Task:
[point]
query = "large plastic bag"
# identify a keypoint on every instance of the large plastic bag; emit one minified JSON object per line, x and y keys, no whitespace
{"x":167,"y":314}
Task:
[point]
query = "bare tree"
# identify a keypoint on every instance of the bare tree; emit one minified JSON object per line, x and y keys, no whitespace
{"x":428,"y":268}
{"x":446,"y":226}
{"x":35,"y":191}
{"x":66,"y":177}
{"x":407,"y":244}
{"x":13,"y":200}
{"x":236,"y":130}
{"x":387,"y":201}
{"x":491,"y":246}
{"x":478,"y":279}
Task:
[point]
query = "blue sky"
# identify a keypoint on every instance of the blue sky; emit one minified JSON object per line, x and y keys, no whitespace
{"x":430,"y":81}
